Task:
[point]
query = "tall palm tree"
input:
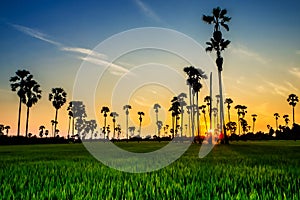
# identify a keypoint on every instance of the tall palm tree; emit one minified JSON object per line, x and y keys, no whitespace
{"x":293,"y":100}
{"x":53,"y":122}
{"x":202,"y":108}
{"x":253,"y":119}
{"x":7,"y":129}
{"x":77,"y":111}
{"x":208,"y":101}
{"x":217,"y":105}
{"x":182,"y":103}
{"x":276,"y":115}
{"x":58,"y":97}
{"x":159,"y":125}
{"x":70,"y":114}
{"x":114,"y":115}
{"x":228,"y":101}
{"x":156,"y":107}
{"x":104,"y":110}
{"x":286,"y":119}
{"x":126,"y":108}
{"x":241,"y":111}
{"x":175,"y":109}
{"x":140,"y":113}
{"x":33,"y":94}
{"x":18,"y":84}
{"x":218,"y":44}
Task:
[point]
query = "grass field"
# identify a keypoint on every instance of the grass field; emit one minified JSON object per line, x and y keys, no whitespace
{"x":242,"y":170}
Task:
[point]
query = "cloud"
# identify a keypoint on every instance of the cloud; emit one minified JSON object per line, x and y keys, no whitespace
{"x":84,"y":51}
{"x":294,"y":71}
{"x":34,"y":33}
{"x":279,"y":89}
{"x":147,"y":11}
{"x":244,"y":51}
{"x":88,"y":54}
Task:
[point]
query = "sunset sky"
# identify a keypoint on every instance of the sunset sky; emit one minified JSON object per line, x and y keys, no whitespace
{"x":51,"y":39}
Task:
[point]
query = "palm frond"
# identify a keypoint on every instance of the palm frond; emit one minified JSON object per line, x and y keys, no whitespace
{"x":208,"y":19}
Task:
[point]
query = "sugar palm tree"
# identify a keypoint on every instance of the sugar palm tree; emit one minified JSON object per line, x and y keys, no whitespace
{"x":140,"y":113}
{"x":53,"y":122}
{"x":18,"y":84}
{"x":156,"y":107}
{"x":159,"y":125}
{"x":175,"y":109}
{"x":104,"y":110}
{"x":77,"y":111}
{"x":202,"y":108}
{"x":276,"y":115}
{"x":293,"y":100}
{"x":33,"y":94}
{"x":286,"y":119}
{"x":215,"y":113}
{"x":208,"y":101}
{"x":114,"y":115}
{"x":131,"y":130}
{"x":92,"y":127}
{"x":228,"y":101}
{"x":58,"y":97}
{"x":241,"y":111}
{"x":182,"y":103}
{"x":70,"y":114}
{"x":253,"y":119}
{"x":7,"y":129}
{"x":218,"y":44}
{"x":126,"y":108}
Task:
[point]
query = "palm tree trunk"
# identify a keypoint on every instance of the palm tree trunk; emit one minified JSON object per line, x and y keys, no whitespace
{"x":157,"y":122}
{"x":253,"y":127}
{"x":198,"y":121}
{"x":191,"y":112}
{"x":27,"y":119}
{"x":190,"y":125}
{"x":205,"y":122}
{"x":173,"y":127}
{"x":69,"y":127}
{"x":239,"y":120}
{"x":293,"y":115}
{"x":228,"y":114}
{"x":73,"y":126}
{"x":193,"y":115}
{"x":140,"y":128}
{"x":127,"y":126}
{"x":181,"y":122}
{"x":114,"y":130}
{"x":222,"y":126}
{"x":19,"y":118}
{"x":55,"y":123}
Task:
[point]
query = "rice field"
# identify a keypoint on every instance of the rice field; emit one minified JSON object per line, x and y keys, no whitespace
{"x":242,"y":170}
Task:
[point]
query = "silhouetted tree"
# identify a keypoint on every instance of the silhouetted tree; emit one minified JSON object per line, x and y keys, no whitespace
{"x":156,"y":107}
{"x":231,"y":126}
{"x":18,"y":84}
{"x":140,"y":113}
{"x":104,"y":110}
{"x":58,"y":97}
{"x":182,"y":103}
{"x":53,"y":122}
{"x":202,"y":108}
{"x":218,"y":44}
{"x":215,"y":113}
{"x":159,"y":126}
{"x":126,"y":108}
{"x":70,"y":114}
{"x":208,"y":101}
{"x":241,"y":111}
{"x":32,"y":95}
{"x":131,"y":130}
{"x":1,"y":129}
{"x":114,"y":115}
{"x":276,"y":115}
{"x":175,"y":109}
{"x":217,"y":105}
{"x":244,"y":125}
{"x":78,"y":112}
{"x":46,"y":133}
{"x":293,"y":100}
{"x":228,"y":101}
{"x":253,"y":119}
{"x":189,"y":110}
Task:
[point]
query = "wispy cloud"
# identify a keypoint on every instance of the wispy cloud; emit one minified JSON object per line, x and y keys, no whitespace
{"x":146,"y":10}
{"x":280,"y":89}
{"x":295,"y":71}
{"x":244,"y":51}
{"x":86,"y":54}
{"x":34,"y":33}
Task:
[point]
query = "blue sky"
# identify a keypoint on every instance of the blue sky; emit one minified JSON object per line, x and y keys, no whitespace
{"x":47,"y":38}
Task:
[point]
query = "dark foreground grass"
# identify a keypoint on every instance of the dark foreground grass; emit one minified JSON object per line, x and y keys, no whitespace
{"x":242,"y":170}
